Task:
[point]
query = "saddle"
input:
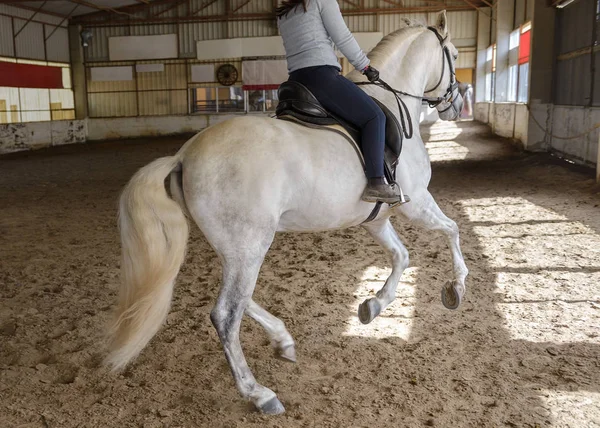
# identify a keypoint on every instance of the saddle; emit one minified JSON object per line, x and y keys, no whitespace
{"x":298,"y":104}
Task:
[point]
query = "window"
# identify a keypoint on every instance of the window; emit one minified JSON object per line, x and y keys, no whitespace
{"x":262,"y":100}
{"x":523,"y":82}
{"x":229,"y":99}
{"x":19,"y":103}
{"x":523,"y":61}
{"x":513,"y":67}
{"x":490,"y":73}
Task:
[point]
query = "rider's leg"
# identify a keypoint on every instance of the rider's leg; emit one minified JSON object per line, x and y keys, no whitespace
{"x":348,"y":102}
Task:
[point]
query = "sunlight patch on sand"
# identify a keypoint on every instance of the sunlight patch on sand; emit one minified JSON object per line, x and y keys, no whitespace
{"x":537,"y":256}
{"x":397,"y":319}
{"x":571,"y":408}
{"x":446,"y":151}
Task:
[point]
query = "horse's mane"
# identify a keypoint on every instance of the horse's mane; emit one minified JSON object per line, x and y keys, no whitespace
{"x":385,"y":47}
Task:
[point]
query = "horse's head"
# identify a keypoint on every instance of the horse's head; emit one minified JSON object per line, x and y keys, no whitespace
{"x":445,"y":87}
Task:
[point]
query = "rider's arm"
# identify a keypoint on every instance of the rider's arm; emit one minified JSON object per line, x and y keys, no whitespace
{"x":341,"y":35}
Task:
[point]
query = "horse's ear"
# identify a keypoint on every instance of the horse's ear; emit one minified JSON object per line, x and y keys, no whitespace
{"x":442,"y":24}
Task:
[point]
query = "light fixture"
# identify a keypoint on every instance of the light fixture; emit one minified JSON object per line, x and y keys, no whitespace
{"x":86,"y":36}
{"x":564,"y":3}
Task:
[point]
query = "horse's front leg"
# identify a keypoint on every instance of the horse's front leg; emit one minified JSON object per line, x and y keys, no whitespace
{"x":281,"y":340}
{"x":425,"y":212}
{"x":384,"y":234}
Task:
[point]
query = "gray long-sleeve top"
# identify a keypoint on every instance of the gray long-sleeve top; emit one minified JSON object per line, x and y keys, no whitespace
{"x":308,"y":37}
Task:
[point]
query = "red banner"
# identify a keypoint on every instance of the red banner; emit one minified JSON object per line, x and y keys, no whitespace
{"x":524,"y":47}
{"x":30,"y":76}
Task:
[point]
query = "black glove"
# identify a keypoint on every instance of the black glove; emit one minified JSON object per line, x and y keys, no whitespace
{"x":371,"y":73}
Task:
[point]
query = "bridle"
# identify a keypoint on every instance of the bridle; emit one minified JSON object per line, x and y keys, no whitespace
{"x":431,"y":101}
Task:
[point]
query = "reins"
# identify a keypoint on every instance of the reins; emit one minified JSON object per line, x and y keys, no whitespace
{"x":432,"y":102}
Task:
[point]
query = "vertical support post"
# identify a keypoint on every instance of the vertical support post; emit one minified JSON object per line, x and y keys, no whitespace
{"x":598,"y":162}
{"x":78,"y":77}
{"x":217,"y":99}
{"x":137,"y":90}
{"x":541,"y":74}
{"x":504,"y":26}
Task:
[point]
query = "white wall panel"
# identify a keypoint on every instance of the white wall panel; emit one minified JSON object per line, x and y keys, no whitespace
{"x":240,"y":47}
{"x":29,"y":43}
{"x":216,"y":49}
{"x":6,"y":37}
{"x":111,"y":74}
{"x":98,"y":47}
{"x":142,"y":47}
{"x":262,"y":46}
{"x":57,"y":46}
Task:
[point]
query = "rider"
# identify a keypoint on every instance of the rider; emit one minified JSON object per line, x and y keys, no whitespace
{"x":308,"y":28}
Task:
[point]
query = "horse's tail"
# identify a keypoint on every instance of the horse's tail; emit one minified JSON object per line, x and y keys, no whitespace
{"x":154,"y":233}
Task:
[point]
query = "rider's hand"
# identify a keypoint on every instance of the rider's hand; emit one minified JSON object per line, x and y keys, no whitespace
{"x":371,"y":73}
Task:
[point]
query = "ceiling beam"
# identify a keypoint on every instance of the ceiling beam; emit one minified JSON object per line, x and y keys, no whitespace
{"x":241,"y":6}
{"x":175,"y":4}
{"x":29,"y":20}
{"x":201,"y":8}
{"x":85,"y":19}
{"x":61,"y":22}
{"x":393,"y":3}
{"x":21,"y":6}
{"x":136,"y":7}
{"x":104,"y":9}
{"x":23,"y":1}
{"x":470,"y":3}
{"x":357,"y":6}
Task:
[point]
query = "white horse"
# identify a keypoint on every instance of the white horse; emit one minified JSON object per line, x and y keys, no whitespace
{"x":245,"y":179}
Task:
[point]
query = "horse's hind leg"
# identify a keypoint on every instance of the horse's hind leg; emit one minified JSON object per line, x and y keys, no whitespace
{"x":384,"y":234}
{"x":280,"y":338}
{"x":425,"y":212}
{"x":240,"y":271}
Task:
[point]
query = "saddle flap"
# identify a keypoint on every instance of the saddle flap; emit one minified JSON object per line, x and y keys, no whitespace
{"x":393,"y":131}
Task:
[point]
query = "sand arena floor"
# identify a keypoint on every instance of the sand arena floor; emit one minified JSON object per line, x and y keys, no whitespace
{"x":522,"y":351}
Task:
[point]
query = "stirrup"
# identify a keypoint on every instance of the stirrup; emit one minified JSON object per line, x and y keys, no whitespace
{"x":403,"y":198}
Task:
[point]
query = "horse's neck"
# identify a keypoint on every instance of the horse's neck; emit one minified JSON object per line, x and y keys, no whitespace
{"x":406,"y":65}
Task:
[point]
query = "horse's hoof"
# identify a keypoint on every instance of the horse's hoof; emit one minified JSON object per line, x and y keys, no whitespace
{"x":271,"y":407}
{"x":287,"y":353}
{"x":368,"y":310}
{"x":451,"y":298}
